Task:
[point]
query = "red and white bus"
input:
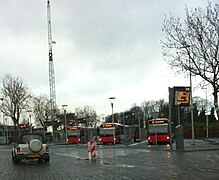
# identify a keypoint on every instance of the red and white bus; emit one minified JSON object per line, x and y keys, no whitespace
{"x":106,"y":132}
{"x":74,"y":134}
{"x":81,"y":134}
{"x":158,"y":131}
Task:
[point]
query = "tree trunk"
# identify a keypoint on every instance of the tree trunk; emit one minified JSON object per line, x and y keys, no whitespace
{"x":216,"y":101}
{"x":15,"y":132}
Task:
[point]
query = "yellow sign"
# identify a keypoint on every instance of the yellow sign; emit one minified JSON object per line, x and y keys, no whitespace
{"x":180,"y":96}
{"x":73,"y":128}
{"x":183,"y":97}
{"x":158,"y":121}
{"x":23,"y":126}
{"x":107,"y":125}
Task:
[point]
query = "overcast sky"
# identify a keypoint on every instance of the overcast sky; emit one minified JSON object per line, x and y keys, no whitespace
{"x":103,"y":48}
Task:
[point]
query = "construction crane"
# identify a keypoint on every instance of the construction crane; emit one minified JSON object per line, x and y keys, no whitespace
{"x":51,"y":65}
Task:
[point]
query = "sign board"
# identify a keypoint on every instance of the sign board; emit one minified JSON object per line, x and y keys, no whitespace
{"x":23,"y":126}
{"x":182,"y":96}
{"x":107,"y":125}
{"x":179,"y":96}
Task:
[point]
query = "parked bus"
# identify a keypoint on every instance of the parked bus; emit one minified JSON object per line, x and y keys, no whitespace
{"x":80,"y":134}
{"x":74,"y":134}
{"x":106,"y":132}
{"x":158,"y":131}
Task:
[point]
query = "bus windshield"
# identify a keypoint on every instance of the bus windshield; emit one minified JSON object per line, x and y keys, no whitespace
{"x":158,"y":129}
{"x":74,"y":133}
{"x":106,"y":131}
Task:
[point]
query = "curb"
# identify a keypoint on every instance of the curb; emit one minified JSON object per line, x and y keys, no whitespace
{"x":214,"y":142}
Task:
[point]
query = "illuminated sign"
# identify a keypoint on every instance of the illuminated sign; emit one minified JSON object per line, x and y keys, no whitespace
{"x":106,"y":125}
{"x":23,"y":126}
{"x":163,"y":121}
{"x":73,"y":128}
{"x":76,"y":127}
{"x":182,"y":96}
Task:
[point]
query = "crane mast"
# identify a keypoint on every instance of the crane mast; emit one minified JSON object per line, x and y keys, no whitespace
{"x":51,"y":65}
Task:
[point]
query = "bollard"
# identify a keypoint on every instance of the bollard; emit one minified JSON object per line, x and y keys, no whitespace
{"x":92,"y":148}
{"x":179,"y":138}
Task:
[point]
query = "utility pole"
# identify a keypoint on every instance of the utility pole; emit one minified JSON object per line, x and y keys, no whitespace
{"x":112,"y":100}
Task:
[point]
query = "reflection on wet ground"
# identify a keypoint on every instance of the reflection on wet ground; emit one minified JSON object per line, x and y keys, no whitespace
{"x":105,"y":163}
{"x":105,"y":151}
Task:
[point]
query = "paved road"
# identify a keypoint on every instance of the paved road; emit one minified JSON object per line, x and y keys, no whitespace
{"x":120,"y":162}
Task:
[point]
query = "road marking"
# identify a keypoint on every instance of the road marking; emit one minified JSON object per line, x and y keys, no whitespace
{"x":134,"y":144}
{"x":5,"y":150}
{"x":68,"y":155}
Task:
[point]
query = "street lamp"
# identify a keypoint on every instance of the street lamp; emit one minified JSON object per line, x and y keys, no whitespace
{"x":191,"y":103}
{"x":206,"y":111}
{"x":186,"y":46}
{"x":2,"y":99}
{"x":30,"y":124}
{"x":66,"y":135}
{"x":5,"y":124}
{"x":139,"y":125}
{"x":112,"y":99}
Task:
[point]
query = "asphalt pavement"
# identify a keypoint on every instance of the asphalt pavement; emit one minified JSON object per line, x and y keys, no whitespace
{"x":134,"y":161}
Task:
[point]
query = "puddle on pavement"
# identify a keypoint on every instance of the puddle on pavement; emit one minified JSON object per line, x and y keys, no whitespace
{"x":125,"y":165}
{"x":101,"y":162}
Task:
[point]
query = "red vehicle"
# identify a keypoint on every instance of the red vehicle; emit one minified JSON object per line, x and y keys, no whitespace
{"x":80,"y":134}
{"x":107,"y":130}
{"x":73,"y":134}
{"x":158,"y":131}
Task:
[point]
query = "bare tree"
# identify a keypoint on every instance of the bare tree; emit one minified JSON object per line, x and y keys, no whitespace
{"x":192,"y":45}
{"x":135,"y":108}
{"x":41,"y":109}
{"x":88,"y":113}
{"x":150,"y":108}
{"x":154,"y":108}
{"x":15,"y":98}
{"x":202,"y":104}
{"x":146,"y":108}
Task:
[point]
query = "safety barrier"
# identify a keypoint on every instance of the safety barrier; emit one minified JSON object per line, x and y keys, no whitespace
{"x":92,"y":150}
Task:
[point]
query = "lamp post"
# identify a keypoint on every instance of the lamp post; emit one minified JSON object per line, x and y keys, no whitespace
{"x":112,"y":99}
{"x":30,"y":124}
{"x":206,"y":111}
{"x":186,"y":46}
{"x":139,"y":125}
{"x":5,"y":124}
{"x":2,"y":99}
{"x":66,"y":135}
{"x":191,"y":103}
